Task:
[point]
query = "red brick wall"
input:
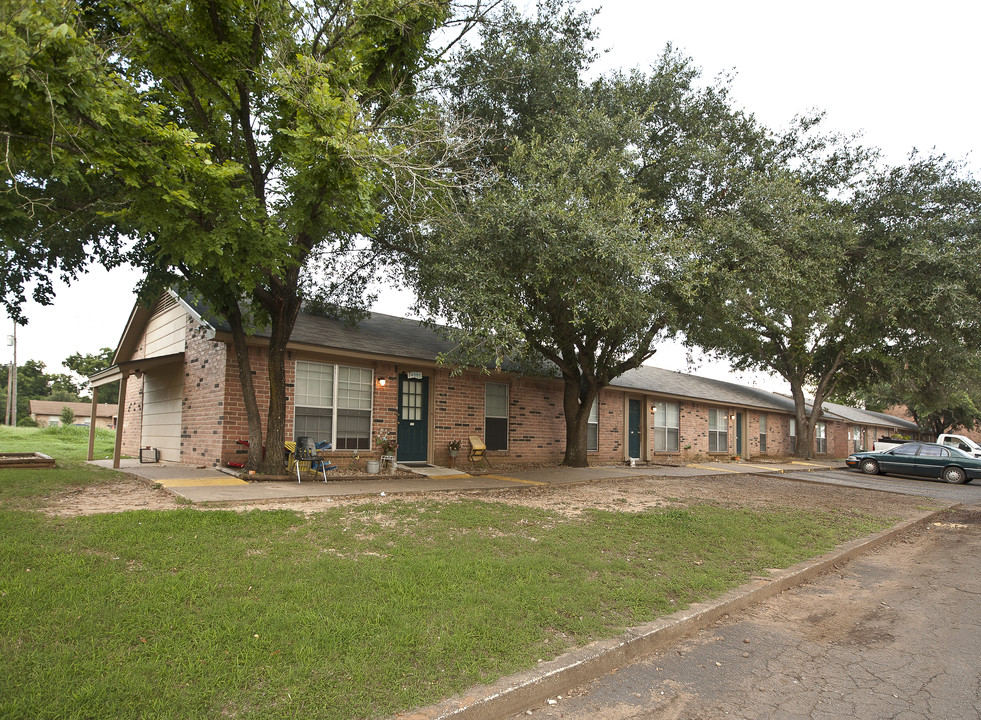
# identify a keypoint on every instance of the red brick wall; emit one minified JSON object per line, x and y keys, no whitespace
{"x":536,"y":425}
{"x":385,"y":402}
{"x":202,"y":410}
{"x":214,"y":413}
{"x":839,"y":438}
{"x":232,"y":419}
{"x":612,"y":419}
{"x":132,"y":426}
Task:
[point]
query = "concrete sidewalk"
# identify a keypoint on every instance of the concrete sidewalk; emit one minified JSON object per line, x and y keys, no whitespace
{"x":199,"y":484}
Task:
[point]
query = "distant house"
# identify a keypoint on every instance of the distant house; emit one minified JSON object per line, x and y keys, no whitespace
{"x":47,"y":413}
{"x":180,"y":395}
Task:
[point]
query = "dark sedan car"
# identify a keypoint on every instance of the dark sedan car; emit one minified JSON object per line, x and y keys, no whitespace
{"x":919,"y":460}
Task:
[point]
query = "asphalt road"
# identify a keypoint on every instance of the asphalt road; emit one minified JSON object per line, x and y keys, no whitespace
{"x":968,"y":494}
{"x":893,"y":634}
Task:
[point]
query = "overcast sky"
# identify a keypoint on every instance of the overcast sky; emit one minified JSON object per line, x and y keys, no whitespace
{"x":903,"y":74}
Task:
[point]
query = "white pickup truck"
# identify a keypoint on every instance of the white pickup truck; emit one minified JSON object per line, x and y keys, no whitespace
{"x":957,"y":441}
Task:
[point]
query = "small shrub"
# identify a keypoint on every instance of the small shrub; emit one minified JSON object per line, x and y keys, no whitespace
{"x":67,"y":416}
{"x":27,"y":421}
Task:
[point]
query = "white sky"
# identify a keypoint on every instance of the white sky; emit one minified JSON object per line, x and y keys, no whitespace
{"x":903,"y":74}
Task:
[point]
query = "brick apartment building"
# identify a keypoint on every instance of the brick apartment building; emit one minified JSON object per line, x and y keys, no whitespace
{"x":180,"y":396}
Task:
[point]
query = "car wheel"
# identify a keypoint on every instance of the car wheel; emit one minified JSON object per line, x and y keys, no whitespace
{"x":954,"y":475}
{"x":870,"y":467}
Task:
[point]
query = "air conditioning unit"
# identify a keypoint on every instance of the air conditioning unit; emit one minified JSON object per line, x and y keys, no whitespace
{"x":149,"y":455}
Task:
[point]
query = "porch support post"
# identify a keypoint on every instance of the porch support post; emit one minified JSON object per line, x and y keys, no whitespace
{"x":95,"y":405}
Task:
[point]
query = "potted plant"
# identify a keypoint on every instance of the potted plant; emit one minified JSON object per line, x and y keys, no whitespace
{"x":454,"y":446}
{"x":387,"y":445}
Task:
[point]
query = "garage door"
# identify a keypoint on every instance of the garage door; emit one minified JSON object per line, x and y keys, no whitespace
{"x":163,"y":391}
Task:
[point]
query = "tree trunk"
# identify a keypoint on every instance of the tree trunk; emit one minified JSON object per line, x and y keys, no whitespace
{"x":577,"y":400}
{"x":805,"y":428}
{"x":283,"y":310}
{"x":234,"y":316}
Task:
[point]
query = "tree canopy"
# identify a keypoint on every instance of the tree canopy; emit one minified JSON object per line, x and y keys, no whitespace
{"x":232,"y":142}
{"x":832,"y":271}
{"x":565,"y":256}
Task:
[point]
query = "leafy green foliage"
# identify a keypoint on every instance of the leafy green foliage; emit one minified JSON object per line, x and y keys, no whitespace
{"x":234,"y":142}
{"x":67,"y":416}
{"x":837,"y":274}
{"x":89,"y":364}
{"x":567,"y":256}
{"x":84,"y":156}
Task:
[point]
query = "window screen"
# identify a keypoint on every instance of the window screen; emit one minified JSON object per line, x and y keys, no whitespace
{"x":592,"y":427}
{"x":821,"y":437}
{"x":346,"y":423}
{"x":718,"y":431}
{"x":667,"y":422}
{"x":496,"y":416}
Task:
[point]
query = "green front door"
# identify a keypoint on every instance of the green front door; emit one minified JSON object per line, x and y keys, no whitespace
{"x":633,"y":428}
{"x":413,"y":434}
{"x":739,"y":434}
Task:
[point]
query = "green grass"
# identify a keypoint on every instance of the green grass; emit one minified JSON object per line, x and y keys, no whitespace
{"x":63,"y":443}
{"x":28,"y":488}
{"x":359,"y":612}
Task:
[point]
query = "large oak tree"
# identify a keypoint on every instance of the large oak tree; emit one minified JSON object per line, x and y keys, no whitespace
{"x":834,"y":272}
{"x":232,"y":140}
{"x":566,"y":257}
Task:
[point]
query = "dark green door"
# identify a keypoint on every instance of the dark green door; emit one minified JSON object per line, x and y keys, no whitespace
{"x":633,"y":428}
{"x":413,"y":435}
{"x":739,"y":434}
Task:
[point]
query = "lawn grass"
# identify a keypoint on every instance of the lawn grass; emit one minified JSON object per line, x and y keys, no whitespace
{"x":358,"y":612}
{"x":26,"y":488}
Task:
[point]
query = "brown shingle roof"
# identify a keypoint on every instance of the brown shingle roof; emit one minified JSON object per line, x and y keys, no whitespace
{"x":81,"y":409}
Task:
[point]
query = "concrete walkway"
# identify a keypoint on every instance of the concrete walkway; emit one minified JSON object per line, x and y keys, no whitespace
{"x":199,"y":484}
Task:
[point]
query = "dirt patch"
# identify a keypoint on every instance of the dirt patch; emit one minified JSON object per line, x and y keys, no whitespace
{"x":634,"y":494}
{"x":127,"y":493}
{"x":637,"y":494}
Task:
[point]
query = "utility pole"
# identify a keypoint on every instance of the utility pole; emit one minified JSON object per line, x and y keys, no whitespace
{"x":11,"y":417}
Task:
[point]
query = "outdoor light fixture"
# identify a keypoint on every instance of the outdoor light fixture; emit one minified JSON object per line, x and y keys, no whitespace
{"x":381,"y":382}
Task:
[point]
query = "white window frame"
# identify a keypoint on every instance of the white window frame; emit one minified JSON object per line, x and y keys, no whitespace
{"x":793,"y":435}
{"x":762,"y":433}
{"x":342,"y":401}
{"x":821,"y":437}
{"x":592,"y":427}
{"x":718,"y":431}
{"x":667,"y":438}
{"x":506,"y":417}
{"x":856,"y":438}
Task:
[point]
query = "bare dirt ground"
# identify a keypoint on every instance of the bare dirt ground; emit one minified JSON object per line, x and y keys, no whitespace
{"x":633,"y":494}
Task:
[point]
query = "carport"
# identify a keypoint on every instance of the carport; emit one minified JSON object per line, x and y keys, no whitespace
{"x":160,"y":402}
